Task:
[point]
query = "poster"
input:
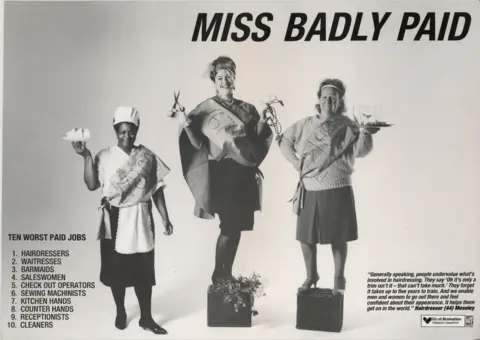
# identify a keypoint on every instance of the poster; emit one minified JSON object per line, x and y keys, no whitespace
{"x":413,"y":64}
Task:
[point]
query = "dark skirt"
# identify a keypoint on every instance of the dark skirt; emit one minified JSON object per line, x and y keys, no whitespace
{"x":328,"y":216}
{"x":122,"y":270}
{"x":234,"y":194}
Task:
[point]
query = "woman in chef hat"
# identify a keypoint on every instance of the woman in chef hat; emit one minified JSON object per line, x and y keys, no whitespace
{"x":131,"y":179}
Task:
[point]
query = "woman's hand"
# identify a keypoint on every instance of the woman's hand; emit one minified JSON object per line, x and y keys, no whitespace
{"x":81,"y":148}
{"x":265,"y":116}
{"x":299,"y":165}
{"x":168,"y":227}
{"x":90,"y":172}
{"x":178,"y":111}
{"x":183,"y":119}
{"x":370,"y":130}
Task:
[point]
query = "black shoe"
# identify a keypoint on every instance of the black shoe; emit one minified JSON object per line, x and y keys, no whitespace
{"x":217,"y":276}
{"x":150,"y":325}
{"x":229,"y":277}
{"x":121,"y":321}
{"x":309,"y":282}
{"x":339,"y":285}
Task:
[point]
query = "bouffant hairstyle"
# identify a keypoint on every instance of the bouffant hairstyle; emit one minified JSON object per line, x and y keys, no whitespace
{"x":340,"y":87}
{"x":221,"y":63}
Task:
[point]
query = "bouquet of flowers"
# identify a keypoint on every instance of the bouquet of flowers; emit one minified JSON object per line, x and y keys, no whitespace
{"x":240,"y":290}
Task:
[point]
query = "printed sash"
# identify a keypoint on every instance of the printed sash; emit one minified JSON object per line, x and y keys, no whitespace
{"x":137,"y":179}
{"x":324,"y":146}
{"x":134,"y":182}
{"x":227,"y":129}
{"x":223,"y":127}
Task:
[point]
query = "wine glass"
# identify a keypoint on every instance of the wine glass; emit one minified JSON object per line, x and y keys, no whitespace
{"x":366,"y":113}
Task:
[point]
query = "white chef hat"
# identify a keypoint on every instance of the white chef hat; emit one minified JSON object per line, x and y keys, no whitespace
{"x":126,"y":114}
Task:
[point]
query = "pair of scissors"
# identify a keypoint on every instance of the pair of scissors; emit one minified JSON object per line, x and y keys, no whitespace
{"x":175,"y":97}
{"x":177,"y":103}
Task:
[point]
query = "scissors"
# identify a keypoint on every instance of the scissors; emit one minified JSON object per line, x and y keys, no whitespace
{"x":175,"y":97}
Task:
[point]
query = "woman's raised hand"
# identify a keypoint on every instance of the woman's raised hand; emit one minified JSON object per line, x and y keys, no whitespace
{"x":178,"y":111}
{"x":370,"y":129}
{"x":81,"y":148}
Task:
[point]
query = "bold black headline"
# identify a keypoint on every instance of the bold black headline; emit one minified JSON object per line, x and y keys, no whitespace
{"x":339,"y":26}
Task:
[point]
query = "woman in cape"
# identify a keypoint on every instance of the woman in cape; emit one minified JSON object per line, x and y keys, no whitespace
{"x":323,"y":148}
{"x":222,"y":143}
{"x":131,"y":178}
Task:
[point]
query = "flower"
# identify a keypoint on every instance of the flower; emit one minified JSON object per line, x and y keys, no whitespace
{"x":241,"y":291}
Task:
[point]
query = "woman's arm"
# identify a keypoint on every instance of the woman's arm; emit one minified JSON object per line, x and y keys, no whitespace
{"x":287,"y":144}
{"x":160,"y":203}
{"x":363,"y":145}
{"x":261,"y":128}
{"x":90,"y":171}
{"x":196,"y":138}
{"x":287,"y":148}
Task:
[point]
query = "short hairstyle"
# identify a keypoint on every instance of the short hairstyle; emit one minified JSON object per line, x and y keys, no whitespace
{"x":339,"y":86}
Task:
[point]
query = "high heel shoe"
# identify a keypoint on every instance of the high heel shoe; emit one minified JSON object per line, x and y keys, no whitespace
{"x":121,"y":321}
{"x":228,"y":276}
{"x":216,"y":277}
{"x":150,"y":325}
{"x":308,"y":283}
{"x":339,"y":285}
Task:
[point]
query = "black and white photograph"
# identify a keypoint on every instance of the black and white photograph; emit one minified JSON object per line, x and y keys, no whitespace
{"x":240,"y":169}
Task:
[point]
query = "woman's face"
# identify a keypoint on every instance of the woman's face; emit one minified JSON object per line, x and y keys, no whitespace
{"x":329,"y":101}
{"x":224,"y":82}
{"x":126,"y":135}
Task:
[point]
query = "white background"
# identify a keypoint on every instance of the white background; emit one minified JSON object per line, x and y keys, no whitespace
{"x":71,"y":64}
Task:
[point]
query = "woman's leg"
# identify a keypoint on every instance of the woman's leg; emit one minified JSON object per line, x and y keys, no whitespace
{"x":309,"y":251}
{"x":308,"y":237}
{"x":119,"y":298}
{"x":225,"y":252}
{"x":233,"y":241}
{"x":339,"y":251}
{"x":144,"y":296}
{"x":242,"y":220}
{"x":221,"y":251}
